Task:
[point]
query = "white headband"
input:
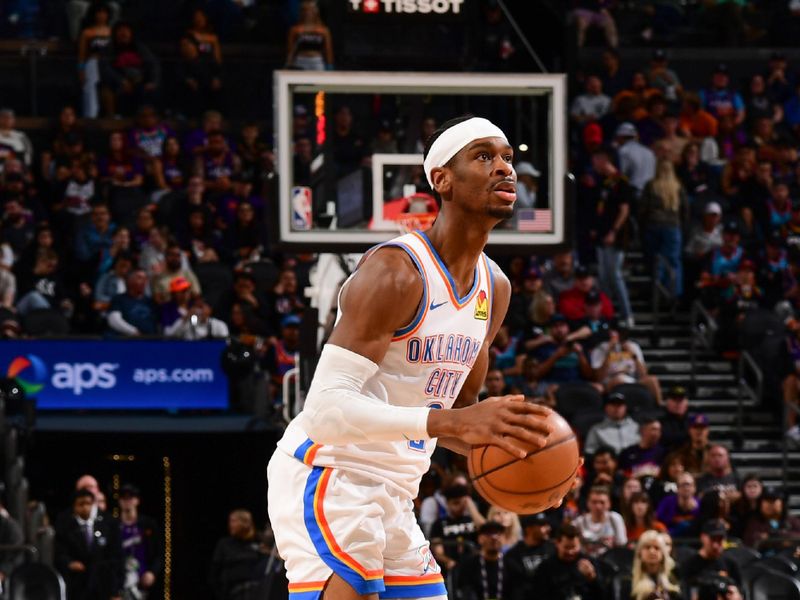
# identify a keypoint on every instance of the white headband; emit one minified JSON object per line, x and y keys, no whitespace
{"x":455,"y":138}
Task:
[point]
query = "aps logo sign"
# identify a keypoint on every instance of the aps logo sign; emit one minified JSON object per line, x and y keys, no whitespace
{"x":29,"y":372}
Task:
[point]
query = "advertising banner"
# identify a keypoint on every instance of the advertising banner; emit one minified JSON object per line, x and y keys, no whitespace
{"x":108,"y":374}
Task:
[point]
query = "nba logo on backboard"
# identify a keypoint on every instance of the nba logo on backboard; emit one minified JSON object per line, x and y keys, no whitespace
{"x":301,"y":208}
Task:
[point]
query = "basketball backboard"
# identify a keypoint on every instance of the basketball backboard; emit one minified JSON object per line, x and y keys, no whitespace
{"x":350,"y":152}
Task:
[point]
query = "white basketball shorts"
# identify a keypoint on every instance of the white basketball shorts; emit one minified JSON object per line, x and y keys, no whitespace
{"x":331,"y":521}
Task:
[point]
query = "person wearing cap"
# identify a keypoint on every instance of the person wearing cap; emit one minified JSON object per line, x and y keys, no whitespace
{"x":704,"y":239}
{"x":710,"y":559}
{"x":522,"y":560}
{"x":636,"y":161}
{"x":617,"y":430}
{"x":720,"y":99}
{"x":694,"y":452}
{"x":133,"y":312}
{"x":592,"y":105}
{"x":675,"y":420}
{"x":569,"y":573}
{"x":177,"y":307}
{"x":572,"y":302}
{"x":723,"y":262}
{"x":620,"y":360}
{"x":644,"y":458}
{"x":561,"y":360}
{"x":662,"y":78}
{"x":594,"y":328}
{"x":772,"y":520}
{"x":663,"y":215}
{"x":527,"y":184}
{"x":175,"y":265}
{"x":141,"y":544}
{"x":283,"y":353}
{"x":197,"y":323}
{"x":458,"y":525}
{"x":608,"y":228}
{"x":719,"y":474}
{"x":482,"y":575}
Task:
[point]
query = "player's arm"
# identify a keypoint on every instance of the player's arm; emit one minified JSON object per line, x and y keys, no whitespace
{"x":382,"y":297}
{"x":475,"y":380}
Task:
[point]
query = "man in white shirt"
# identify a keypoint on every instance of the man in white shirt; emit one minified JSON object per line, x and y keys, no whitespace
{"x":617,"y":430}
{"x":601,"y":528}
{"x":591,"y":105}
{"x":636,"y":162}
{"x":13,"y":143}
{"x":197,"y":324}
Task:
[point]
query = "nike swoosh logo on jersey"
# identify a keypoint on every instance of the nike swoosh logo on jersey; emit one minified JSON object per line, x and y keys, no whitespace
{"x":434,"y":306}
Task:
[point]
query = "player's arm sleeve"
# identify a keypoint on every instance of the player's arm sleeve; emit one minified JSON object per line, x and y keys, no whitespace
{"x":337,"y":411}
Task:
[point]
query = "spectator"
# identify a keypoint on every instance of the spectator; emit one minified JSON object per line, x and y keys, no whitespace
{"x":747,"y":505}
{"x":601,"y":528}
{"x":640,"y":518}
{"x":95,"y":237}
{"x":568,"y":573}
{"x":724,"y":261}
{"x":527,"y":185}
{"x":120,"y":244}
{"x":148,"y":136}
{"x":44,"y":288}
{"x":197,"y":139}
{"x":604,"y":472}
{"x":771,"y":521}
{"x":170,"y":171}
{"x":696,"y":122}
{"x":239,"y":559}
{"x":309,"y":45}
{"x":133,"y":313}
{"x":129,"y":73}
{"x":572,"y":302}
{"x":662,"y":78}
{"x":512,"y":529}
{"x":710,"y":560}
{"x":561,"y":276}
{"x":246,"y":238}
{"x":695,"y":452}
{"x":719,"y":588}
{"x":617,"y":430}
{"x":452,"y":534}
{"x":636,"y":162}
{"x":663,"y":214}
{"x":494,"y":385}
{"x":74,"y":195}
{"x":773,"y":271}
{"x":481,"y":575}
{"x":720,"y":99}
{"x":218,"y":167}
{"x":718,"y":474}
{"x":672,"y":144}
{"x":122,"y":174}
{"x":248,"y":301}
{"x":594,"y":328}
{"x":675,"y":420}
{"x":175,"y":265}
{"x":11,"y":534}
{"x":88,"y":551}
{"x":285,"y":298}
{"x":705,"y":239}
{"x":17,"y":226}
{"x":630,"y":487}
{"x":667,"y":482}
{"x":93,"y":42}
{"x":202,"y":31}
{"x":613,"y":77}
{"x":653,"y":570}
{"x":680,"y":511}
{"x":8,"y":282}
{"x":778,"y":78}
{"x":560,"y":360}
{"x":594,"y":13}
{"x":651,"y":126}
{"x":199,"y":79}
{"x":113,"y":282}
{"x":283,"y":353}
{"x":348,"y":147}
{"x":620,"y":360}
{"x":141,"y":544}
{"x":153,"y":244}
{"x":175,"y":308}
{"x":592,"y":104}
{"x":522,"y":560}
{"x":612,"y":201}
{"x":644,"y":458}
{"x":759,"y":103}
{"x":198,"y":324}
{"x":14,"y":144}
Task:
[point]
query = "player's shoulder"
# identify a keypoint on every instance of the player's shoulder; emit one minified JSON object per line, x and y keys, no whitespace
{"x":388,"y":270}
{"x":501,"y":281}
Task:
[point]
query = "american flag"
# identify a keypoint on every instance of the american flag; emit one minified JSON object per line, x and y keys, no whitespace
{"x":534,"y":220}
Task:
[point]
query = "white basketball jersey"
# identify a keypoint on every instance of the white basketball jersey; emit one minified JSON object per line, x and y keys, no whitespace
{"x":426,"y":364}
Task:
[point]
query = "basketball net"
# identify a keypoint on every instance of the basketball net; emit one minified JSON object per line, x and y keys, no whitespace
{"x":408,"y":222}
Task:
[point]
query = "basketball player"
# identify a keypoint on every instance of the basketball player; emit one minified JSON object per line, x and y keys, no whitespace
{"x":401,"y":371}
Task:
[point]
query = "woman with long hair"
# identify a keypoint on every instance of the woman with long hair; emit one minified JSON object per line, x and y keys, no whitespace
{"x":663,"y":212}
{"x":207,"y":40}
{"x":639,"y":517}
{"x":512,"y":532}
{"x":667,"y":482}
{"x":746,"y":506}
{"x":310,"y":46}
{"x":653,"y":570}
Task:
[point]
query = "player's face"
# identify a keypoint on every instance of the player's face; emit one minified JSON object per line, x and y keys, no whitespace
{"x":482,"y":179}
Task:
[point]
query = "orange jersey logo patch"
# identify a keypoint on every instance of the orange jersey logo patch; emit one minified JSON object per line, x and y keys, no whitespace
{"x":482,"y":306}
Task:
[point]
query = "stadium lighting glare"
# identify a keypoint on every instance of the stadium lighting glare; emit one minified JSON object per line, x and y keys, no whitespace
{"x":523,"y":147}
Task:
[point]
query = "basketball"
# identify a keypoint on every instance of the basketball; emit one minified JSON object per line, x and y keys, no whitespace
{"x":532,"y":484}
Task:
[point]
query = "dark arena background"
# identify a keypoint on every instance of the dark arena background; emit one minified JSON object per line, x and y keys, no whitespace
{"x":186,"y":184}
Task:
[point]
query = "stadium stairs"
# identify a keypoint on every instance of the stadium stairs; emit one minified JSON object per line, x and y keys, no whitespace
{"x":755,"y":448}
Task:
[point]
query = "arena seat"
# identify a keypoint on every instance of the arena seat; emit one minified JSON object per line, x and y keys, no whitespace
{"x":45,"y":322}
{"x":620,"y":559}
{"x":781,"y":564}
{"x":582,"y":421}
{"x":36,"y":581}
{"x":772,"y":585}
{"x":639,"y":400}
{"x":572,"y":398}
{"x":742,"y":555}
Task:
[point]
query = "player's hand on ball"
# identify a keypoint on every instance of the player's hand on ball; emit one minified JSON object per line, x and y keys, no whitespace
{"x":508,"y":422}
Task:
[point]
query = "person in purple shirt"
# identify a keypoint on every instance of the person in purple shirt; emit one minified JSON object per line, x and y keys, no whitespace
{"x":679,"y":511}
{"x":141,"y":545}
{"x":720,"y":99}
{"x":644,"y":458}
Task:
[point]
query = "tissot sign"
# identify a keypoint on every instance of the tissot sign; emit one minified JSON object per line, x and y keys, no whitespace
{"x":439,"y":7}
